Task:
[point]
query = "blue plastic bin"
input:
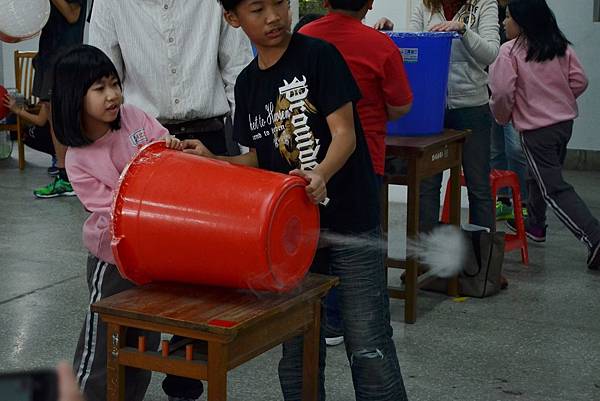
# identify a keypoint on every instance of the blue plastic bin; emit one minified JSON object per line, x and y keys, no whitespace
{"x":426,"y":61}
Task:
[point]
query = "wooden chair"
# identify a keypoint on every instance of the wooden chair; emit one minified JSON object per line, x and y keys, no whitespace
{"x":23,"y":83}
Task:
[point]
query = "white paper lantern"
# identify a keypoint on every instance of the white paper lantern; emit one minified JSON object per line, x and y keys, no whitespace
{"x":22,"y":19}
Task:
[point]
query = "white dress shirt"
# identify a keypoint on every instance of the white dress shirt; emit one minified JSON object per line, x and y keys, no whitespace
{"x":178,"y":59}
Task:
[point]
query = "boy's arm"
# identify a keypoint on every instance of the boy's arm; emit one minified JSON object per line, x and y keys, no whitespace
{"x":195,"y":147}
{"x":396,"y":88}
{"x":39,"y":119}
{"x":343,"y":143}
{"x":69,"y":9}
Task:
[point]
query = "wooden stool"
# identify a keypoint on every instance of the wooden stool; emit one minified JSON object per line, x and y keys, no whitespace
{"x":426,"y":156}
{"x":234,"y":326}
{"x":503,"y":179}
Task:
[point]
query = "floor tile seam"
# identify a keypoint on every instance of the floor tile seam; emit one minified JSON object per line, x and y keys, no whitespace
{"x":16,"y":297}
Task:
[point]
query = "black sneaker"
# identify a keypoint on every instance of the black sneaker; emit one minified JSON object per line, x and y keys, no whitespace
{"x":534,"y":233}
{"x":593,"y":260}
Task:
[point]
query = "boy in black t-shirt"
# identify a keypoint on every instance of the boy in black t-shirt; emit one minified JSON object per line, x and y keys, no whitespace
{"x":295,"y":110}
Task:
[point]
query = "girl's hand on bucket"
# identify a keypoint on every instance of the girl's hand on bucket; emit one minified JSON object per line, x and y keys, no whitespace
{"x":316,"y":188}
{"x":195,"y":147}
{"x":173,"y":143}
{"x":448,"y":26}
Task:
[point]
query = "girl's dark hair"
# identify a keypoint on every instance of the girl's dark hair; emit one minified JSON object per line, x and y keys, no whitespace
{"x":75,"y":70}
{"x":539,"y":30}
{"x":437,"y":5}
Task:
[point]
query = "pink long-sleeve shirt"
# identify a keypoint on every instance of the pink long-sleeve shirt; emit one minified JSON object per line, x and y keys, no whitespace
{"x":94,"y":172}
{"x":531,"y":94}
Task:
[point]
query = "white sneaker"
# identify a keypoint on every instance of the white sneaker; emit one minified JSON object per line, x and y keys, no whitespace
{"x":333,"y":341}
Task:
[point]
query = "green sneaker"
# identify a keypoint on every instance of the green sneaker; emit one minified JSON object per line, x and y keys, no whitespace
{"x":504,"y":211}
{"x":58,"y":187}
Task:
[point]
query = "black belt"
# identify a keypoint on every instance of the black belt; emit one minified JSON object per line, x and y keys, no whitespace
{"x":197,"y":126}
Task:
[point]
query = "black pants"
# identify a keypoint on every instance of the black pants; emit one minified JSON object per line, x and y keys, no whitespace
{"x":215,"y":133}
{"x":545,"y":149}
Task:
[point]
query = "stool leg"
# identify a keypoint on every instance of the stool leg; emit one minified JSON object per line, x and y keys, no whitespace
{"x":115,"y":372}
{"x":412,"y":232}
{"x":217,"y":371}
{"x":520,"y":222}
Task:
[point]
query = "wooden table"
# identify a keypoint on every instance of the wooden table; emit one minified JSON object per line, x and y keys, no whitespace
{"x":425,"y":156}
{"x":236,"y":326}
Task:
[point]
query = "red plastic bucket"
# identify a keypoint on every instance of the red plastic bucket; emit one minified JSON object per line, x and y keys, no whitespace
{"x":184,"y":218}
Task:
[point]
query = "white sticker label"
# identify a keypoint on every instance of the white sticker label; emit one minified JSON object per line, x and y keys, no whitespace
{"x":410,"y":55}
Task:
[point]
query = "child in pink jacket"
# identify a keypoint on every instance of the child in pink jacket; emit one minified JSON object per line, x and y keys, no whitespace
{"x":102,"y":136}
{"x":535,"y":82}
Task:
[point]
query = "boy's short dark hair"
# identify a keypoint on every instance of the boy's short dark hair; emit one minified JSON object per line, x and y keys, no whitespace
{"x":75,"y":70}
{"x":229,"y":5}
{"x":347,"y":5}
{"x":306,"y":19}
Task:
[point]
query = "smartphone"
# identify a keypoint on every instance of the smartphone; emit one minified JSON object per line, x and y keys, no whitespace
{"x":34,"y":385}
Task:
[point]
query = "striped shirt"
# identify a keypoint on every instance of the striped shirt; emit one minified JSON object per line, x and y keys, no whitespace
{"x":178,"y":59}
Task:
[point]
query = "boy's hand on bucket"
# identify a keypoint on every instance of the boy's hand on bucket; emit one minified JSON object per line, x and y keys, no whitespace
{"x":173,"y":143}
{"x":316,"y":188}
{"x":195,"y":147}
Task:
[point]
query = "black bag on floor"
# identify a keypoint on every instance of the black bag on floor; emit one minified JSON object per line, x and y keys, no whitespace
{"x":483,"y":266}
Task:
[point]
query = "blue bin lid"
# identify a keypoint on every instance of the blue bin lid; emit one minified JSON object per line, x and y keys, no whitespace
{"x":428,"y":35}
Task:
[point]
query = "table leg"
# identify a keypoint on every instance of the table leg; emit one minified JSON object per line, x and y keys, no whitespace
{"x":217,"y":371}
{"x":454,"y":183}
{"x":412,"y":232}
{"x":115,"y":372}
{"x":310,"y":362}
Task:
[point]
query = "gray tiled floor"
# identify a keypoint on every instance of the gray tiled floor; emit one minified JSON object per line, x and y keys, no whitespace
{"x":538,"y":341}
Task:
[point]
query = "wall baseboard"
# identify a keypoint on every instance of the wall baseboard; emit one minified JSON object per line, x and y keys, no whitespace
{"x":579,"y":159}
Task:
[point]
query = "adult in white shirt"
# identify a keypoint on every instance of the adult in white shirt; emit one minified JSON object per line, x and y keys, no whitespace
{"x":178,"y":61}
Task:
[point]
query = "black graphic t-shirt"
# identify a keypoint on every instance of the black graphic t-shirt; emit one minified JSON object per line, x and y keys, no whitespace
{"x":282,"y":111}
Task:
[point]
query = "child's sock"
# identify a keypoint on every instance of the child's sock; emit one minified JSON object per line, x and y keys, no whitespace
{"x":62,"y":174}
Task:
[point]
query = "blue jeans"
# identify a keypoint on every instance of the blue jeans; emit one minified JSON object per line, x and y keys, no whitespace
{"x":333,"y":321}
{"x":476,"y":168}
{"x":507,"y":154}
{"x":364,"y":305}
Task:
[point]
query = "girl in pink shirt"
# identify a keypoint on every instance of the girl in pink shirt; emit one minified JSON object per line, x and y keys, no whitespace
{"x":535,"y":82}
{"x":102,"y":136}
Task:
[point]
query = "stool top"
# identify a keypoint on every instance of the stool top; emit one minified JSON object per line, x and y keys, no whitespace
{"x":414,"y":145}
{"x":209,"y":309}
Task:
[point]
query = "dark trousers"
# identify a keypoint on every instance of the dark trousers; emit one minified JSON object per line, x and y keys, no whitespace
{"x":215,"y":133}
{"x":545,"y":149}
{"x":476,"y":168}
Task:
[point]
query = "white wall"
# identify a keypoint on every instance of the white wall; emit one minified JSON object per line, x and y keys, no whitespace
{"x":575,"y":18}
{"x":396,"y":10}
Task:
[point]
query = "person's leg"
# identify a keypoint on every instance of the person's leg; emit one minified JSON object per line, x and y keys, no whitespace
{"x":364,"y":304}
{"x":89,"y":362}
{"x":476,"y":160}
{"x":498,"y":159}
{"x":429,"y":202}
{"x":516,"y":158}
{"x":545,"y":150}
{"x":60,"y":186}
{"x":290,"y":365}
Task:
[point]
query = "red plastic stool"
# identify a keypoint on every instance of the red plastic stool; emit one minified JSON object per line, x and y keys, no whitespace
{"x":502,"y":179}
